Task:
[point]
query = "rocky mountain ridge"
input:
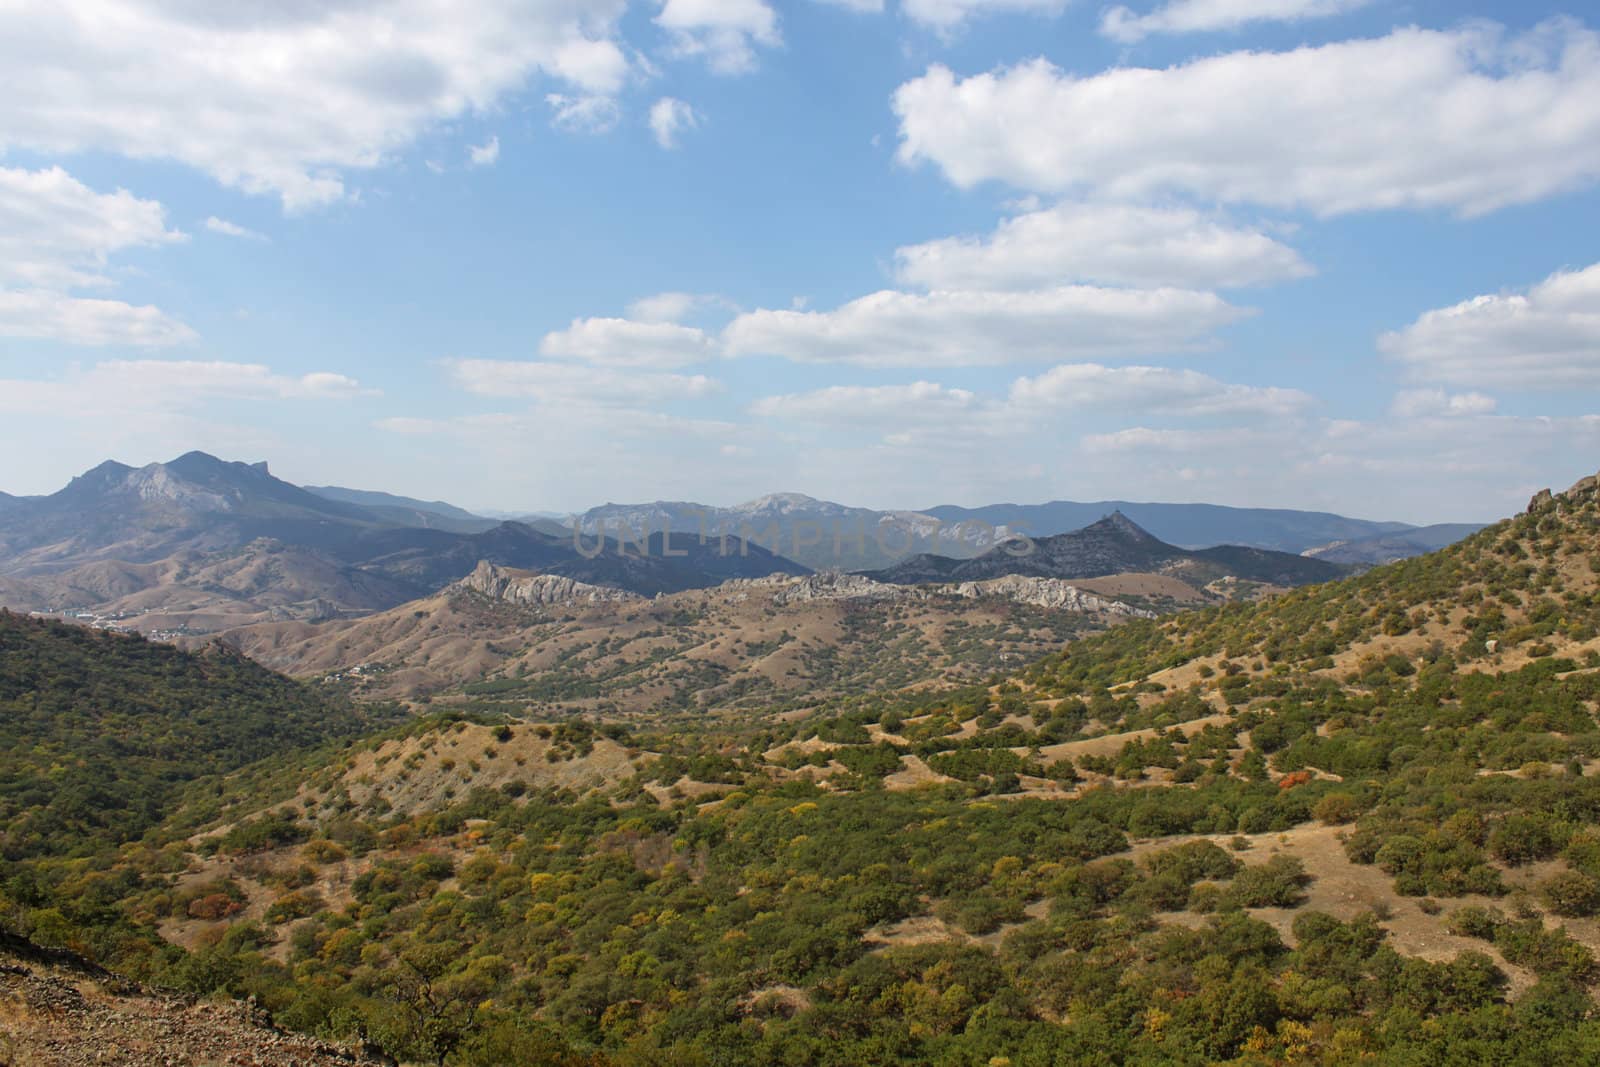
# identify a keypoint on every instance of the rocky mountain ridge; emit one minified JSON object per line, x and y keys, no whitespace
{"x":526,"y":587}
{"x":1114,"y":545}
{"x":200,"y":544}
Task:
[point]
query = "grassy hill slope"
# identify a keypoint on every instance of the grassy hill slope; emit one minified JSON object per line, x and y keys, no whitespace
{"x":102,"y":729}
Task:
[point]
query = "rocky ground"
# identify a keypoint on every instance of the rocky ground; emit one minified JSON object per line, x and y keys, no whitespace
{"x":58,"y":1010}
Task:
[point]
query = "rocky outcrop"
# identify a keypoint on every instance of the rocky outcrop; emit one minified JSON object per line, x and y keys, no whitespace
{"x":1048,"y":593}
{"x":1041,"y":592}
{"x":537,"y":590}
{"x":64,"y":1011}
{"x":835,"y":585}
{"x":1583,"y":487}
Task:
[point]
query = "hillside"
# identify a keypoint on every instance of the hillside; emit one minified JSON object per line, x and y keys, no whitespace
{"x":60,"y":1010}
{"x":408,"y":511}
{"x":1114,"y":545}
{"x":542,"y":643}
{"x":102,"y":729}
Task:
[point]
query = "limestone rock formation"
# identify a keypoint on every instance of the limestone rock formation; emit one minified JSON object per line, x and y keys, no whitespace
{"x":1049,"y":593}
{"x":540,"y":590}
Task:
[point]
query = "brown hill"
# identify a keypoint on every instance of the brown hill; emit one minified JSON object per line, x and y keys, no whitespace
{"x":505,"y":636}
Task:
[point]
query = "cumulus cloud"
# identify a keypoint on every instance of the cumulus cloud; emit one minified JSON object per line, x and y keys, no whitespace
{"x":724,"y":33}
{"x":627,"y":343}
{"x":1152,"y":389}
{"x":1470,"y":120}
{"x":958,"y":328}
{"x":40,"y":314}
{"x":1103,"y":244}
{"x":486,"y":154}
{"x":58,"y":235}
{"x":576,"y":383}
{"x":1545,"y":338}
{"x":861,"y":7}
{"x":948,"y":15}
{"x":1032,"y":406}
{"x":232,"y":229}
{"x":133,"y":388}
{"x":1199,"y":16}
{"x":669,"y":117}
{"x":1424,"y":403}
{"x":57,"y":232}
{"x":1187,"y":442}
{"x":284,"y":99}
{"x":675,"y":306}
{"x":870,"y":404}
{"x":583,"y":114}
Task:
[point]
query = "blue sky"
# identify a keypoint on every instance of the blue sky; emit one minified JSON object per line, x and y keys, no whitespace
{"x":1306,"y":253}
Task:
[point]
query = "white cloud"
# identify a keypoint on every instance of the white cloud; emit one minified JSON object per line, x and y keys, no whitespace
{"x":669,"y":117}
{"x":1187,"y":442}
{"x":947,"y":15}
{"x":283,"y":98}
{"x":583,"y":114}
{"x":1033,"y":414}
{"x":1546,"y":338}
{"x":723,"y":32}
{"x":134,"y":388}
{"x":870,"y":404}
{"x":575,"y":383}
{"x":626,"y":343}
{"x":1470,"y":119}
{"x":1425,"y":403}
{"x":58,"y":233}
{"x":40,"y":314}
{"x":233,"y":229}
{"x":1153,"y":389}
{"x":675,"y":306}
{"x":954,"y":328}
{"x":860,"y":7}
{"x":486,"y":154}
{"x":1200,"y":16}
{"x":1106,"y":244}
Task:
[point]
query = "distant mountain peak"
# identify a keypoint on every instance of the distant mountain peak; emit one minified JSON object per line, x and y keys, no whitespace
{"x":780,"y":502}
{"x":1114,"y":544}
{"x":203,"y":464}
{"x":1119,"y":524}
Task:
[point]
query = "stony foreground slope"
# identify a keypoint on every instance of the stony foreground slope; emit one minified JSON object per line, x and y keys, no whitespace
{"x":57,"y":1010}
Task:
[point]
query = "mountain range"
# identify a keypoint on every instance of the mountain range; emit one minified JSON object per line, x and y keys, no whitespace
{"x":1115,"y":545}
{"x":1185,"y":525}
{"x":1389,"y":547}
{"x":825,"y":535}
{"x":200,"y":544}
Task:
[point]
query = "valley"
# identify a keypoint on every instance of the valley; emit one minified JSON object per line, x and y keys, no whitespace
{"x":1126,"y":816}
{"x":508,"y":641}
